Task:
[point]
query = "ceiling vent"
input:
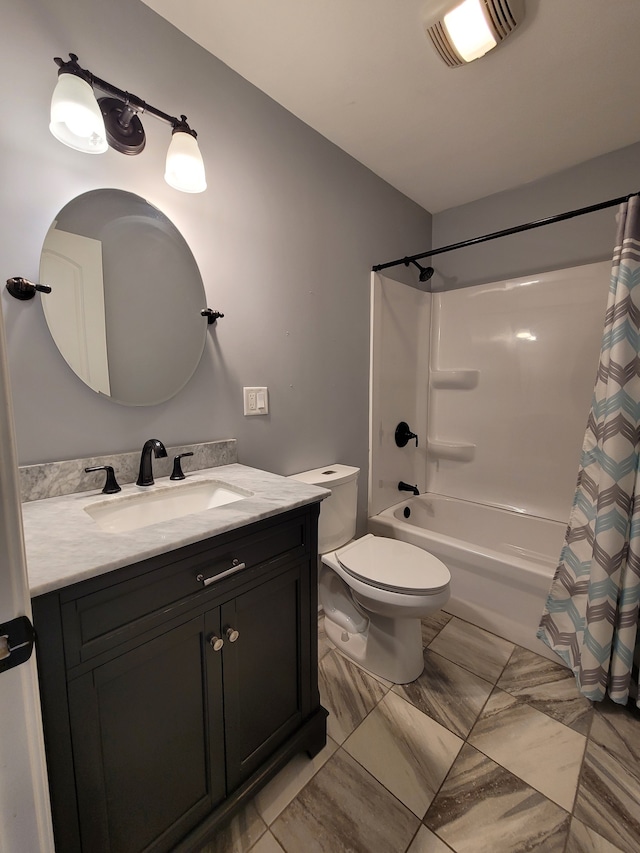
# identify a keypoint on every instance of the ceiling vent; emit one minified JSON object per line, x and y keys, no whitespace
{"x":466,"y":30}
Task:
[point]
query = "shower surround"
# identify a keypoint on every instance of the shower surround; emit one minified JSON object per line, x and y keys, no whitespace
{"x":496,"y":380}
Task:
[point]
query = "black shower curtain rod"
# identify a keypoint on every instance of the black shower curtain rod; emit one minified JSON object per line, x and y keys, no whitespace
{"x":411,"y":259}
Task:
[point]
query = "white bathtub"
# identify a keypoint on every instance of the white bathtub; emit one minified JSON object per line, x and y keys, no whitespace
{"x":501,"y":562}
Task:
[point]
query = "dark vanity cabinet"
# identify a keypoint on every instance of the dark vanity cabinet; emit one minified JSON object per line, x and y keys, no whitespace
{"x":174,"y":688}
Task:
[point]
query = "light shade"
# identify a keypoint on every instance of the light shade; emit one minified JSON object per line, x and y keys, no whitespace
{"x":76,"y":119}
{"x":464,"y":30}
{"x":469,"y":30}
{"x":185,"y":169}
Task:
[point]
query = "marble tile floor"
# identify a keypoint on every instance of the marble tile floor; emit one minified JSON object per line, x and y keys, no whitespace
{"x":491,"y":750}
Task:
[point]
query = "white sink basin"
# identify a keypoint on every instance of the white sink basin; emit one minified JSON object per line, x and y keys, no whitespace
{"x":129,"y":512}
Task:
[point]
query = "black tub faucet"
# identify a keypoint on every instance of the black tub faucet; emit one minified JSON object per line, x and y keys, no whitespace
{"x":405,"y":487}
{"x":145,"y":475}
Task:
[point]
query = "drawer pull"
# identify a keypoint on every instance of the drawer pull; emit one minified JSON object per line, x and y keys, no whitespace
{"x":232,"y":634}
{"x":216,"y":643}
{"x":236,"y":566}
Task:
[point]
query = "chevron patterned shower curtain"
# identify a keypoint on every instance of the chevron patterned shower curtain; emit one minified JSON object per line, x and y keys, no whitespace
{"x":591,"y":614}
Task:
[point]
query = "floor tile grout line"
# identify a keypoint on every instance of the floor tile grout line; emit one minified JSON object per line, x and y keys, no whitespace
{"x":617,"y":762}
{"x":432,"y":720}
{"x":466,"y":667}
{"x":366,"y":716}
{"x":365,"y":770}
{"x":386,"y":689}
{"x":249,"y":849}
{"x":455,"y":663}
{"x":421,"y":826}
{"x":297,"y":794}
{"x":383,"y":681}
{"x":380,"y":782}
{"x":529,"y":784}
{"x":413,"y":838}
{"x":462,"y":665}
{"x":420,"y":819}
{"x":465,"y":739}
{"x":582,"y":761}
{"x":569,"y":812}
{"x":486,"y":630}
{"x":566,"y":841}
{"x":389,"y":690}
{"x":520,"y":699}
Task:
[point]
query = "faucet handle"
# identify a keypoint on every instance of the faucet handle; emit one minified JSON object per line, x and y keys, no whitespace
{"x":403,"y":434}
{"x":111,"y":486}
{"x":177,"y":474}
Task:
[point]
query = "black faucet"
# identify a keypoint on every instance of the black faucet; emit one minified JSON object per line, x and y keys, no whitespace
{"x":145,"y":475}
{"x":405,"y":487}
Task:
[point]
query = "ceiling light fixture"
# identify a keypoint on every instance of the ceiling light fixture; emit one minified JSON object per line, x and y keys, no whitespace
{"x":89,"y":125}
{"x":462,"y":31}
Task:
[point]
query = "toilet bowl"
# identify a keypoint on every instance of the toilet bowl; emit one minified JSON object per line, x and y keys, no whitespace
{"x":374,"y":591}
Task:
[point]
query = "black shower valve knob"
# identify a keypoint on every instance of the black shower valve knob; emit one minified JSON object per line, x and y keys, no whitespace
{"x":403,"y":434}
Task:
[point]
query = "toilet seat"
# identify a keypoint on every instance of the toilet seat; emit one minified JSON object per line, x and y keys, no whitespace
{"x":393,"y":566}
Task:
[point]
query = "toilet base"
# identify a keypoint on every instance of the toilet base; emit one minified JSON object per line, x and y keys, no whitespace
{"x":389,"y":648}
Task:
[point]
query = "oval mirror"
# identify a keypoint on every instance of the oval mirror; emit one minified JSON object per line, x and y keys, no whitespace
{"x":126,"y":297}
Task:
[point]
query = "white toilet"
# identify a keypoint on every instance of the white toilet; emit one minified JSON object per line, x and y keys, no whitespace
{"x":373,"y":590}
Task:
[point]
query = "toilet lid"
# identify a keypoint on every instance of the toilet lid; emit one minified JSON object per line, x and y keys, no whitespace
{"x":393,"y":565}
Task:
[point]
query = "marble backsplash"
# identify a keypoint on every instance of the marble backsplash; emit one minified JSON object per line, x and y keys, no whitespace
{"x":52,"y":479}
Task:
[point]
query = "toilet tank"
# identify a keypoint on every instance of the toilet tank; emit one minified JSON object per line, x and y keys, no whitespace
{"x":337,"y":523}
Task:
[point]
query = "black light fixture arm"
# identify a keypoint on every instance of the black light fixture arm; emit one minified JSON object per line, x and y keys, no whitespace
{"x":133,"y":103}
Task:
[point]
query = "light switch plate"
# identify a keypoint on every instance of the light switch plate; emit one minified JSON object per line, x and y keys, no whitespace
{"x":256,"y":401}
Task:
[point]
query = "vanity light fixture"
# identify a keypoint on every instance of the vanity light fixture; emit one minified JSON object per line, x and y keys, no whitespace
{"x":92,"y":126}
{"x":464,"y":30}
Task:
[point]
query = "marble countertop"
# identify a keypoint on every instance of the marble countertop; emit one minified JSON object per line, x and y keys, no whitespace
{"x":65,"y":545}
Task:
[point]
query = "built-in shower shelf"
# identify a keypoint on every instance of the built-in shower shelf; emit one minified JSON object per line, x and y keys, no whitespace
{"x":460,"y":379}
{"x":457,"y":451}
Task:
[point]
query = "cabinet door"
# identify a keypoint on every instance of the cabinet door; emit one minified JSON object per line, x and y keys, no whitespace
{"x":265,"y":671}
{"x":147,"y":741}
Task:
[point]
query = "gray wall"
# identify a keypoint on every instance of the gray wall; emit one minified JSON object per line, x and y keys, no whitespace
{"x":582,"y":240}
{"x":285,"y":237}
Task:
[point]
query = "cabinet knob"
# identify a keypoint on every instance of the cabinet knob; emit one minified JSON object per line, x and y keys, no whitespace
{"x":216,"y":643}
{"x":232,"y":634}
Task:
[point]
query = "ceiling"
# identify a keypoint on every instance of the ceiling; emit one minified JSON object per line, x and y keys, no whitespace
{"x":563,"y":88}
